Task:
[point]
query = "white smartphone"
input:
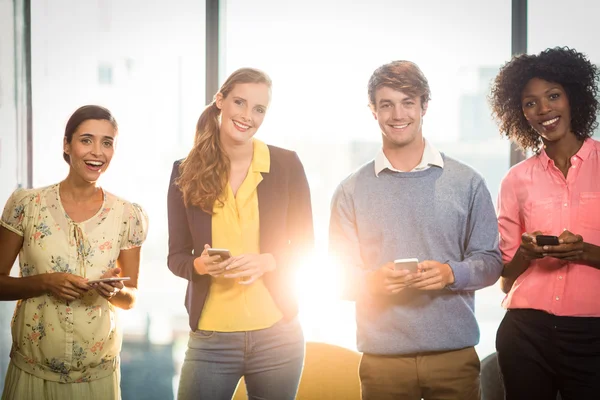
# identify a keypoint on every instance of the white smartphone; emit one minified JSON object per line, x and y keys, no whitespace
{"x":224,"y":253}
{"x":114,"y":279}
{"x":411,"y":264}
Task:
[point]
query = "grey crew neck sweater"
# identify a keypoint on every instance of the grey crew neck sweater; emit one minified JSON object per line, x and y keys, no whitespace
{"x":442,"y":214}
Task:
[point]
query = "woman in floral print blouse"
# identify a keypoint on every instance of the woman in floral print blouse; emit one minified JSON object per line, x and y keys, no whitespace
{"x":66,"y":338}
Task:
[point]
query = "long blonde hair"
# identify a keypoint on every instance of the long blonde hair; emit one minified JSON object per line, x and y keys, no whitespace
{"x":204,"y":173}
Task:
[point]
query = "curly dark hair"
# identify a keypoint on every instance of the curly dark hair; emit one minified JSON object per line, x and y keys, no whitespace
{"x":562,"y":65}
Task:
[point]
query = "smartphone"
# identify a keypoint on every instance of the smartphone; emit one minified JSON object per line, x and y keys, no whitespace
{"x":546,"y":240}
{"x":115,"y":279}
{"x":411,"y":264}
{"x":224,"y":253}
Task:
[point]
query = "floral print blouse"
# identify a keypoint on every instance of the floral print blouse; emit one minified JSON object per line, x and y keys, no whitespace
{"x":75,"y":341}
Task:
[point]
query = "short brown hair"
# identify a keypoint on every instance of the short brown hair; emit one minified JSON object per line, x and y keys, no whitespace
{"x":404,"y":76}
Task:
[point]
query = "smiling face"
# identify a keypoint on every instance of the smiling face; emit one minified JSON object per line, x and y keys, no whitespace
{"x":242,"y":111}
{"x":546,"y":108}
{"x":400,"y":117}
{"x":91,"y":149}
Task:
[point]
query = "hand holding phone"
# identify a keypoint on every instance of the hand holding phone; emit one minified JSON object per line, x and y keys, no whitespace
{"x":568,"y":246}
{"x":411,"y":264}
{"x":390,"y":281}
{"x":546,"y":240}
{"x":223,"y":253}
{"x":108,"y":280}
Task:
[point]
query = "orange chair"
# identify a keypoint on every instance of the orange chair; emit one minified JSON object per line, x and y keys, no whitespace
{"x":330,"y":373}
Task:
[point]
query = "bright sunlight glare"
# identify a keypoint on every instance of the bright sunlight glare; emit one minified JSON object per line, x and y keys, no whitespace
{"x":324,"y":317}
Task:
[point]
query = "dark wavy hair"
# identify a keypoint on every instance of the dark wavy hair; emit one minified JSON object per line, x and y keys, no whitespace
{"x":562,"y":65}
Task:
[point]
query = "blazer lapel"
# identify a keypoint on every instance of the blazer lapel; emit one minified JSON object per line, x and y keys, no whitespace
{"x":201,"y":228}
{"x":267,"y":203}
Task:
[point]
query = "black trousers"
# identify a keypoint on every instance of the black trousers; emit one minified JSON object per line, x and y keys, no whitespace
{"x":542,"y":354}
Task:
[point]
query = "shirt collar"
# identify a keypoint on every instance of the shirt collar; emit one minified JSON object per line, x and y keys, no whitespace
{"x":261,"y":159}
{"x":582,"y":154}
{"x":431,"y":157}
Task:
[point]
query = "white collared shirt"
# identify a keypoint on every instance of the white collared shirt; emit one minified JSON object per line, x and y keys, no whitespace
{"x":431,"y":156}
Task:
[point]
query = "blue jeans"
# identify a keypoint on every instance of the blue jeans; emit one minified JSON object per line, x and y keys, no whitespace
{"x":270,"y":360}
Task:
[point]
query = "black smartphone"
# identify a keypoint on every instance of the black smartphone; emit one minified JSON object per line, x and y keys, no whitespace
{"x":546,"y":240}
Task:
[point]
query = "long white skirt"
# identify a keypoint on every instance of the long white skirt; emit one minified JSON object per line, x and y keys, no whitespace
{"x":20,"y":385}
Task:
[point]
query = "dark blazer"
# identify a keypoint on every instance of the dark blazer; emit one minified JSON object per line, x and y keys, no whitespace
{"x":286,"y":231}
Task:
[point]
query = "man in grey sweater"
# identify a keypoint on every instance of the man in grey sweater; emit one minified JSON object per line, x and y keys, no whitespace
{"x":417,"y":330}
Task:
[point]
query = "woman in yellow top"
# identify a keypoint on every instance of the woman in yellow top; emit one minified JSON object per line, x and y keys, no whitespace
{"x":235,"y":192}
{"x":66,"y":337}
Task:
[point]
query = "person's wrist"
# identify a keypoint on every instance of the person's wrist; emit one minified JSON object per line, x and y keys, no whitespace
{"x":43,"y":281}
{"x":450,"y":278}
{"x":199,"y":266}
{"x":269,"y":262}
{"x":372,"y":282}
{"x":591,"y":253}
{"x":523,"y":255}
{"x":115,"y":293}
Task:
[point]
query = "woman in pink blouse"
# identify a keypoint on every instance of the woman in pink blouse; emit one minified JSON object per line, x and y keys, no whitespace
{"x":549,"y":340}
{"x":66,"y":335}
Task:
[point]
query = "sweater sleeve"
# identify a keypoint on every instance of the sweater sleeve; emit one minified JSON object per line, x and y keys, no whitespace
{"x":344,"y":246}
{"x":181,"y":247}
{"x":481,"y":265}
